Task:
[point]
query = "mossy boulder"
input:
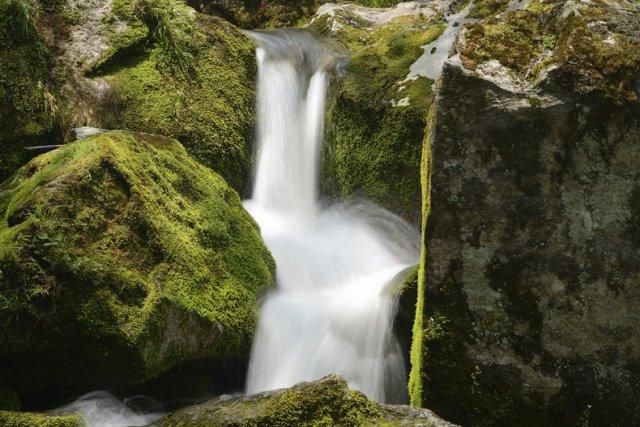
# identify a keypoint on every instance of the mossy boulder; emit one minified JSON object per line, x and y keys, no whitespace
{"x":202,"y":92}
{"x":325,"y":402}
{"x":376,"y":113}
{"x":32,"y":419}
{"x":528,"y":280}
{"x":143,"y":65}
{"x":121,"y":257}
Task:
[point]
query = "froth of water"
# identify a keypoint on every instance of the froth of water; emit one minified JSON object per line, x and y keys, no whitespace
{"x":332,"y":311}
{"x":102,"y":409}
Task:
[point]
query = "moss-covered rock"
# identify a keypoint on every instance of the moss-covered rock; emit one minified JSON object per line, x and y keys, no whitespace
{"x":376,"y":115}
{"x":325,"y":402}
{"x":529,"y":266}
{"x":121,"y":257}
{"x":591,"y":48}
{"x":32,"y":419}
{"x":272,"y":13}
{"x":208,"y":107}
{"x":143,"y":65}
{"x":260,"y":13}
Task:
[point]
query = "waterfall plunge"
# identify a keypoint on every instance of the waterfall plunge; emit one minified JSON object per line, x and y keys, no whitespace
{"x":332,"y":311}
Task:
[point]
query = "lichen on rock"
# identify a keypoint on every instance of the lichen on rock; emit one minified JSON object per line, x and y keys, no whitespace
{"x":529,"y":267}
{"x":122,"y":255}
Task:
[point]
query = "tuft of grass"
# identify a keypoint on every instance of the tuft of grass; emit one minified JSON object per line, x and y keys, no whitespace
{"x":171,"y":26}
{"x":379,"y":3}
{"x":17,"y":16}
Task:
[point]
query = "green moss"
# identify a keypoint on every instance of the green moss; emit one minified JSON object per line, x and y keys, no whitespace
{"x":378,"y":3}
{"x":418,"y":341}
{"x":514,"y":41}
{"x":596,"y":63}
{"x":210,"y":110}
{"x":29,"y":111}
{"x":377,"y":116}
{"x":595,"y":50}
{"x":122,"y":45}
{"x":121,"y":253}
{"x":29,"y":419}
{"x":263,"y":14}
{"x":484,"y":8}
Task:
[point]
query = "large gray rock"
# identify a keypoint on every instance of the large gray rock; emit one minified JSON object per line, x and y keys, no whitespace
{"x":531,"y":262}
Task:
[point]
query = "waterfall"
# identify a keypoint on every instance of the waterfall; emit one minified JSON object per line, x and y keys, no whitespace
{"x":333,"y":309}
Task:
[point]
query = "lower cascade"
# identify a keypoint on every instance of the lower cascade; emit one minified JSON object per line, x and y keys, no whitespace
{"x":334,"y":305}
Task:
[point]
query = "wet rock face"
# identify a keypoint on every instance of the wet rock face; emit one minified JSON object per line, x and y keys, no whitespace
{"x":324,"y":402}
{"x":532,"y":252}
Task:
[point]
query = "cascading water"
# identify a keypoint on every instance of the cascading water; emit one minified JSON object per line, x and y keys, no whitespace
{"x":332,"y":311}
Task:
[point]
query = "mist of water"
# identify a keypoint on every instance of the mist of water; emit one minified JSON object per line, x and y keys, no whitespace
{"x":332,"y":311}
{"x":102,"y":409}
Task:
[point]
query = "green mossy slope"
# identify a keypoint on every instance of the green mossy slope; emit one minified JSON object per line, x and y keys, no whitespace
{"x":377,"y":116}
{"x":121,"y":257}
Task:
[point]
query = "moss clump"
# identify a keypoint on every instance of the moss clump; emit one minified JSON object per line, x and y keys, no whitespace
{"x":30,"y":419}
{"x":122,"y":254}
{"x":377,"y":115}
{"x":484,"y":8}
{"x":515,"y":41}
{"x":418,"y":340}
{"x":262,"y":14}
{"x":208,"y":104}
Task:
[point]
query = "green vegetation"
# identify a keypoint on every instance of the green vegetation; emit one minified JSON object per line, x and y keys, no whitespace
{"x":418,"y":341}
{"x":17,"y":16}
{"x":378,"y":3}
{"x":195,"y":83}
{"x":125,"y":256}
{"x":325,"y":402}
{"x":29,"y":109}
{"x":172,"y":27}
{"x":377,"y":115}
{"x":591,"y":60}
{"x":29,"y":419}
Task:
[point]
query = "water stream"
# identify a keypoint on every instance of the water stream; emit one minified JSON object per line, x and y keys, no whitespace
{"x":337,"y":265}
{"x":333,"y":308}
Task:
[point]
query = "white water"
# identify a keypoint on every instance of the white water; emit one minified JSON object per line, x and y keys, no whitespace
{"x":332,"y":311}
{"x":102,"y":409}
